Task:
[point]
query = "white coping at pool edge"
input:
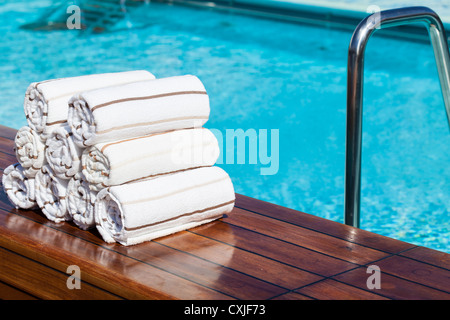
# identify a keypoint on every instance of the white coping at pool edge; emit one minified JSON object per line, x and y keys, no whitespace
{"x":349,"y":8}
{"x":442,"y":8}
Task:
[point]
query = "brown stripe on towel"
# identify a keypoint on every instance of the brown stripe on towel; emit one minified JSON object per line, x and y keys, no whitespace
{"x":151,"y":123}
{"x":45,"y":81}
{"x":183,"y":215}
{"x":131,"y":139}
{"x":56,"y":122}
{"x":69,"y":94}
{"x":147,"y":98}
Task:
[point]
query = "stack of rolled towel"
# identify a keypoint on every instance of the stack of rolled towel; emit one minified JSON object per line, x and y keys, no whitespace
{"x":123,"y":152}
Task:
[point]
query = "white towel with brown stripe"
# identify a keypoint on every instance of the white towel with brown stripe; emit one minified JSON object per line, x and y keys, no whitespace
{"x":19,"y":188}
{"x":29,"y":148}
{"x":80,"y":201}
{"x":141,"y":211}
{"x":46,"y":102}
{"x":115,"y":163}
{"x":51,"y":195}
{"x":138,"y":109}
{"x":62,"y":154}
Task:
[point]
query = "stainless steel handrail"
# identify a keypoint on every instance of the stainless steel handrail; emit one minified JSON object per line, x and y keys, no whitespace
{"x":355,"y":75}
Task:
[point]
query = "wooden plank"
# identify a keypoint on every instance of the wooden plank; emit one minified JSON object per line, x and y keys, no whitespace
{"x":357,"y":236}
{"x":8,"y":292}
{"x":330,"y":289}
{"x":317,"y":241}
{"x":42,"y":281}
{"x":6,"y":160}
{"x":437,"y":258}
{"x":7,"y":132}
{"x":7,"y":154}
{"x":292,"y":296}
{"x":204,"y":272}
{"x":7,"y":146}
{"x":240,"y":260}
{"x":392,"y":287}
{"x":272,"y":248}
{"x":416,"y":271}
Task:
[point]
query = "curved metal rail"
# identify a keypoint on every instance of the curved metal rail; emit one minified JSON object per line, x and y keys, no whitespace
{"x":355,"y":75}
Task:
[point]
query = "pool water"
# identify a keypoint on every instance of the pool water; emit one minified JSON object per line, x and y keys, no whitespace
{"x":263,"y":74}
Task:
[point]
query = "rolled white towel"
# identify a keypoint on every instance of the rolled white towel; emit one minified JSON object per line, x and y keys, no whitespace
{"x":136,"y":212}
{"x":29,"y":148}
{"x":108,"y":164}
{"x":138,"y":109}
{"x":62,"y":154}
{"x":18,"y":187}
{"x":80,"y":202}
{"x":51,"y":195}
{"x":46,"y":101}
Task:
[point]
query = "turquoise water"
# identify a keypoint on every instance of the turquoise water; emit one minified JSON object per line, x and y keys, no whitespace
{"x":263,"y":74}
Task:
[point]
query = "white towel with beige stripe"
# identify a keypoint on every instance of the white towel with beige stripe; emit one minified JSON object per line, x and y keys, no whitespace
{"x":115,"y":163}
{"x":80,"y":200}
{"x":50,"y":192}
{"x":149,"y":209}
{"x":29,"y":148}
{"x":18,"y":187}
{"x":46,"y":104}
{"x":137,"y":109}
{"x":62,"y":154}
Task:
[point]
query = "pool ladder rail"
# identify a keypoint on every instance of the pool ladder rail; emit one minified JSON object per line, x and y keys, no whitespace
{"x":355,"y":76}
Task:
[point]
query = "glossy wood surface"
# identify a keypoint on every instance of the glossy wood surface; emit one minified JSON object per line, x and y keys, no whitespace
{"x":258,"y":251}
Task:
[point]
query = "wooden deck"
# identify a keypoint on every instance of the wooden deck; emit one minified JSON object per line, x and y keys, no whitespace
{"x":259,"y":251}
